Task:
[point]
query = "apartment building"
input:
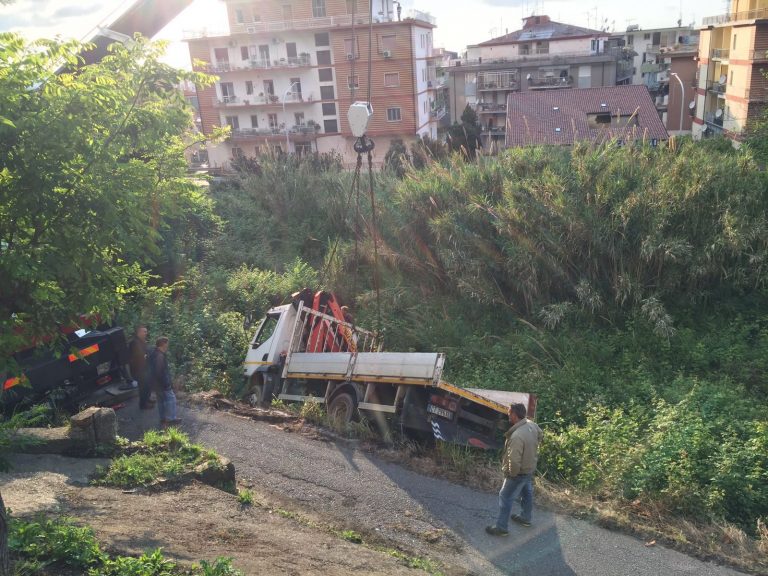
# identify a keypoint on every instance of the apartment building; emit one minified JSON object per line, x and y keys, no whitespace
{"x":733,"y":59}
{"x":665,"y":62}
{"x":543,"y":55}
{"x":288,"y":70}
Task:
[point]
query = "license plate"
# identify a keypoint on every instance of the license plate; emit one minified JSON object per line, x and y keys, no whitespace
{"x":436,"y":410}
{"x":103,"y":368}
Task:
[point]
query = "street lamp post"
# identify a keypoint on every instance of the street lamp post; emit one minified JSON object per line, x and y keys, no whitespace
{"x":287,"y":141}
{"x":682,"y":97}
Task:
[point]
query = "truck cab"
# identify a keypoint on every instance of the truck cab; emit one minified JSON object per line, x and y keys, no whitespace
{"x":263,"y":360}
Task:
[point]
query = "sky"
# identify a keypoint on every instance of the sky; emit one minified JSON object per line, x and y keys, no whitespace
{"x":459,"y":22}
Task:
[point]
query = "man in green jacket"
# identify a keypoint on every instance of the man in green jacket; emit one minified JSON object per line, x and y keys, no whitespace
{"x":521,"y":452}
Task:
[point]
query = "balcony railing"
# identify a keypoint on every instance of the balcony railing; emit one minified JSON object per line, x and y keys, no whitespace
{"x":735,"y":17}
{"x":306,"y":24}
{"x":494,"y":131}
{"x":758,"y":55}
{"x":555,"y":59}
{"x":544,"y":82}
{"x":720,"y":53}
{"x":260,"y":64}
{"x":712,"y":119}
{"x":716,"y":87}
{"x":491,"y":108}
{"x":509,"y":84}
{"x":438,"y":113}
{"x":239,"y":133}
{"x":265,"y":100}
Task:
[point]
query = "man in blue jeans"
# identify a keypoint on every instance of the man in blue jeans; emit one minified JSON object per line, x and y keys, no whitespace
{"x":161,"y":382}
{"x":521,"y":453}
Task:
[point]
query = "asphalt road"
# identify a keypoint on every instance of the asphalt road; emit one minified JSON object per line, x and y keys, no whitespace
{"x":425,"y":516}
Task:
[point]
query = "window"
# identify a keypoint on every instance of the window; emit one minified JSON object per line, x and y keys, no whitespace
{"x":269,"y":87}
{"x":734,"y":42}
{"x":221,"y":54}
{"x":330,"y":126}
{"x":318,"y":8}
{"x":542,"y":47}
{"x":254,"y":121}
{"x":239,"y":18}
{"x":602,"y":119}
{"x":325,"y":74}
{"x":233,"y":122}
{"x":323,"y":57}
{"x":353,"y":81}
{"x":424,"y":74}
{"x":329,"y":109}
{"x":287,"y":12}
{"x":351,"y":47}
{"x":227,"y":92}
{"x":290,"y":49}
{"x":352,"y":7}
{"x":322,"y":39}
{"x":730,"y":79}
{"x":631,"y":40}
{"x":525,"y":49}
{"x":298,"y":118}
{"x":392,"y":80}
{"x":327,"y":93}
{"x":646,"y":36}
{"x":249,"y":87}
{"x":244,"y":55}
{"x":237,"y":152}
{"x":388,"y":42}
{"x":393,"y":115}
{"x":272,"y":120}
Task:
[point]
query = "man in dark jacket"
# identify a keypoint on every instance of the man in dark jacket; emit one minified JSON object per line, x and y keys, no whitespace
{"x":137,"y":362}
{"x":521,"y":453}
{"x":161,"y":382}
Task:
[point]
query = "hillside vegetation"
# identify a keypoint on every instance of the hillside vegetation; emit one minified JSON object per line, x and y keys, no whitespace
{"x":625,"y":286}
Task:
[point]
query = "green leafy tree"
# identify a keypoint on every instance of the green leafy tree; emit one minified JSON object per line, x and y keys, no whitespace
{"x":91,"y":173}
{"x":465,"y":137}
{"x":397,"y":158}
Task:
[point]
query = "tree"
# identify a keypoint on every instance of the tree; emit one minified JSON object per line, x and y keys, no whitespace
{"x":91,"y":165}
{"x":396,"y":158}
{"x":465,"y":137}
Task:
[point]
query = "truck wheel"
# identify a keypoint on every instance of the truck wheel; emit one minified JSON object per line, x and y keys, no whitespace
{"x":254,"y":393}
{"x":342,"y":409}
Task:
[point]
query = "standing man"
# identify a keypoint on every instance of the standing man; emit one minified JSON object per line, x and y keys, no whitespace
{"x":161,"y":382}
{"x":521,"y":453}
{"x":137,"y":362}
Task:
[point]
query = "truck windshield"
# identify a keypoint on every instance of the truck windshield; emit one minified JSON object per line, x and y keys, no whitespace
{"x":266,"y":329}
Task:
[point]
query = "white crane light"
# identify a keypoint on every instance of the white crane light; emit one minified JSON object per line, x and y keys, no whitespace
{"x":360,"y":113}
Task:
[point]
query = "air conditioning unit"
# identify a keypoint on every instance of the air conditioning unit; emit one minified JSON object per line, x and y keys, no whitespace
{"x":276,"y":40}
{"x":387,"y":53}
{"x":233,"y":43}
{"x":350,"y":56}
{"x":251,"y":30}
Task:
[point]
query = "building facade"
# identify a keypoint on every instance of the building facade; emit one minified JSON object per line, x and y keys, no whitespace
{"x":733,"y":59}
{"x":288,"y":71}
{"x":543,"y":55}
{"x":665,"y":62}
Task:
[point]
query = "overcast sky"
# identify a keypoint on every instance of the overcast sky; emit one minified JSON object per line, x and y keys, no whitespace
{"x":459,"y":22}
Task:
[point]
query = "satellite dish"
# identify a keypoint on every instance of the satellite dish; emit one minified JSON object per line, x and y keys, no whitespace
{"x":692,"y":105}
{"x":722,"y":79}
{"x":528,"y":77}
{"x":718,"y":113}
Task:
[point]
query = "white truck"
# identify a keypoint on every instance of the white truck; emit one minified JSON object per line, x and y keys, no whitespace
{"x":307,"y":351}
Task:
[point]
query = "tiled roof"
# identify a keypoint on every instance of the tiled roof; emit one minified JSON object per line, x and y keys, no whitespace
{"x":562,"y":116}
{"x":549,"y":30}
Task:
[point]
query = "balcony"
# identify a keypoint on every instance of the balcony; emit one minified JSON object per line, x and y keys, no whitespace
{"x":510,"y":84}
{"x":250,"y":133}
{"x":549,"y":82}
{"x":305,"y":129}
{"x":719,"y":54}
{"x":683,"y":48}
{"x":712,"y":119}
{"x":438,"y":113}
{"x":261,"y":100}
{"x":260,"y":64}
{"x":759,"y":55}
{"x":756,"y":14}
{"x":494,"y":130}
{"x":491,"y":108}
{"x":716,"y":88}
{"x":560,"y":58}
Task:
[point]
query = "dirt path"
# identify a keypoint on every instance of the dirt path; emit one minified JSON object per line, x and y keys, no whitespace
{"x":194,"y":523}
